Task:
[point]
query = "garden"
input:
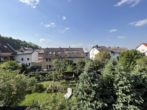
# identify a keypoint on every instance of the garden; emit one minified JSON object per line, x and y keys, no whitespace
{"x":98,"y":85}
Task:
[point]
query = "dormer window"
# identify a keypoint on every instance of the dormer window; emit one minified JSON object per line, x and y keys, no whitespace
{"x":50,"y":52}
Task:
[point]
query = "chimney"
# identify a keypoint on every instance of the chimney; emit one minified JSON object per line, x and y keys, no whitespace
{"x":96,"y":45}
{"x":69,"y":46}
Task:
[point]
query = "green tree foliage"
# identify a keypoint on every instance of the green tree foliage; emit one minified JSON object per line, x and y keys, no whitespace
{"x":142,"y":62}
{"x":13,"y":86}
{"x":115,"y":90}
{"x":17,"y":44}
{"x":80,"y":66}
{"x":102,"y":56}
{"x":86,"y":90}
{"x":128,"y":59}
{"x":13,"y":65}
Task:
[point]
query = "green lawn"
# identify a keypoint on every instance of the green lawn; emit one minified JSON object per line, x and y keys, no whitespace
{"x":59,"y":83}
{"x":31,"y":98}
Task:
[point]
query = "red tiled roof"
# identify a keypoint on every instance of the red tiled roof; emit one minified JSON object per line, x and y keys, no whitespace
{"x":145,"y":44}
{"x":141,"y":44}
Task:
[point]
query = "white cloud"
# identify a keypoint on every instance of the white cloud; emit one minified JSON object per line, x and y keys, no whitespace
{"x":47,"y":25}
{"x":44,"y":40}
{"x":66,"y":28}
{"x":41,"y":23}
{"x":64,"y":18}
{"x":112,"y":30}
{"x":139,"y":23}
{"x":121,"y":37}
{"x":33,"y":3}
{"x":53,"y":25}
{"x":62,"y":31}
{"x":90,"y":45}
{"x":77,"y":45}
{"x":50,"y":25}
{"x":133,"y":2}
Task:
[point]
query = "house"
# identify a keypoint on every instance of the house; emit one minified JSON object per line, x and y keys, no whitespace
{"x":40,"y":53}
{"x":6,"y":52}
{"x":142,"y":48}
{"x":26,"y":56}
{"x":86,"y":53}
{"x":50,"y":54}
{"x":114,"y":52}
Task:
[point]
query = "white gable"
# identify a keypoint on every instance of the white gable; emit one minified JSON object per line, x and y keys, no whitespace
{"x":93,"y":52}
{"x":142,"y":48}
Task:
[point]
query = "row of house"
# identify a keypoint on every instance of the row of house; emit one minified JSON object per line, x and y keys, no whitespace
{"x":44,"y":58}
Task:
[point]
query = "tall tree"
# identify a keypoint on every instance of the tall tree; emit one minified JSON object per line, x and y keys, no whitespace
{"x":13,"y":86}
{"x":129,"y":58}
{"x":85,"y":91}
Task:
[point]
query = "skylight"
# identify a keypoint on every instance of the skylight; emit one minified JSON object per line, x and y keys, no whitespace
{"x":50,"y":52}
{"x":5,"y":46}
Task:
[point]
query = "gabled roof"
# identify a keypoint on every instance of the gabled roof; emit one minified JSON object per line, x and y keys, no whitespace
{"x":101,"y":48}
{"x":26,"y":49}
{"x":114,"y":50}
{"x":64,"y":53}
{"x":145,"y":44}
{"x":118,"y":50}
{"x":6,"y":48}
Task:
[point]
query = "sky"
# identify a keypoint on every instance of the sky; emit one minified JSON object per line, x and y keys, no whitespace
{"x":75,"y":23}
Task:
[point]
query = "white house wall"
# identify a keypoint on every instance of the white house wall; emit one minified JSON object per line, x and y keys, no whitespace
{"x":142,"y":48}
{"x":34,"y":56}
{"x":25,"y":61}
{"x":93,"y":52}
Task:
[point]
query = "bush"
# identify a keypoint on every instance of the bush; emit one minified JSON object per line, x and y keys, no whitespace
{"x":39,"y":88}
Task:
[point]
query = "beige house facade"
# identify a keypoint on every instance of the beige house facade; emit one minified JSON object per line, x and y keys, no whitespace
{"x":50,"y":54}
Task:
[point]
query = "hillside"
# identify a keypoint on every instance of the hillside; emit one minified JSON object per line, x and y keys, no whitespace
{"x":17,"y":43}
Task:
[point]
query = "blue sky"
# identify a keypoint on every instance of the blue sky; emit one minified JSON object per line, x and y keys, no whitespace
{"x":75,"y":23}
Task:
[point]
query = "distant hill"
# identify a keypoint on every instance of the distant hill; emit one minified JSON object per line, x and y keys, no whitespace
{"x":17,"y":43}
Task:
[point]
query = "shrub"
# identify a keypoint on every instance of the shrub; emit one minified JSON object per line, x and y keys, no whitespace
{"x":39,"y":88}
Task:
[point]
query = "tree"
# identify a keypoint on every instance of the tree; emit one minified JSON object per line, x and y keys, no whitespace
{"x":16,"y":43}
{"x":13,"y":86}
{"x":129,"y":58}
{"x":80,"y":66}
{"x":13,"y":65}
{"x":131,"y":90}
{"x":102,"y":56}
{"x":86,"y":90}
{"x":142,"y":62}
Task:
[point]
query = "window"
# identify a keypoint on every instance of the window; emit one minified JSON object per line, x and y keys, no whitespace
{"x":72,"y":52}
{"x":48,"y":66}
{"x":48,"y":60}
{"x":59,"y":52}
{"x":50,"y":52}
{"x":28,"y":59}
{"x":60,"y":59}
{"x":22,"y":59}
{"x":86,"y":54}
{"x":142,"y":49}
